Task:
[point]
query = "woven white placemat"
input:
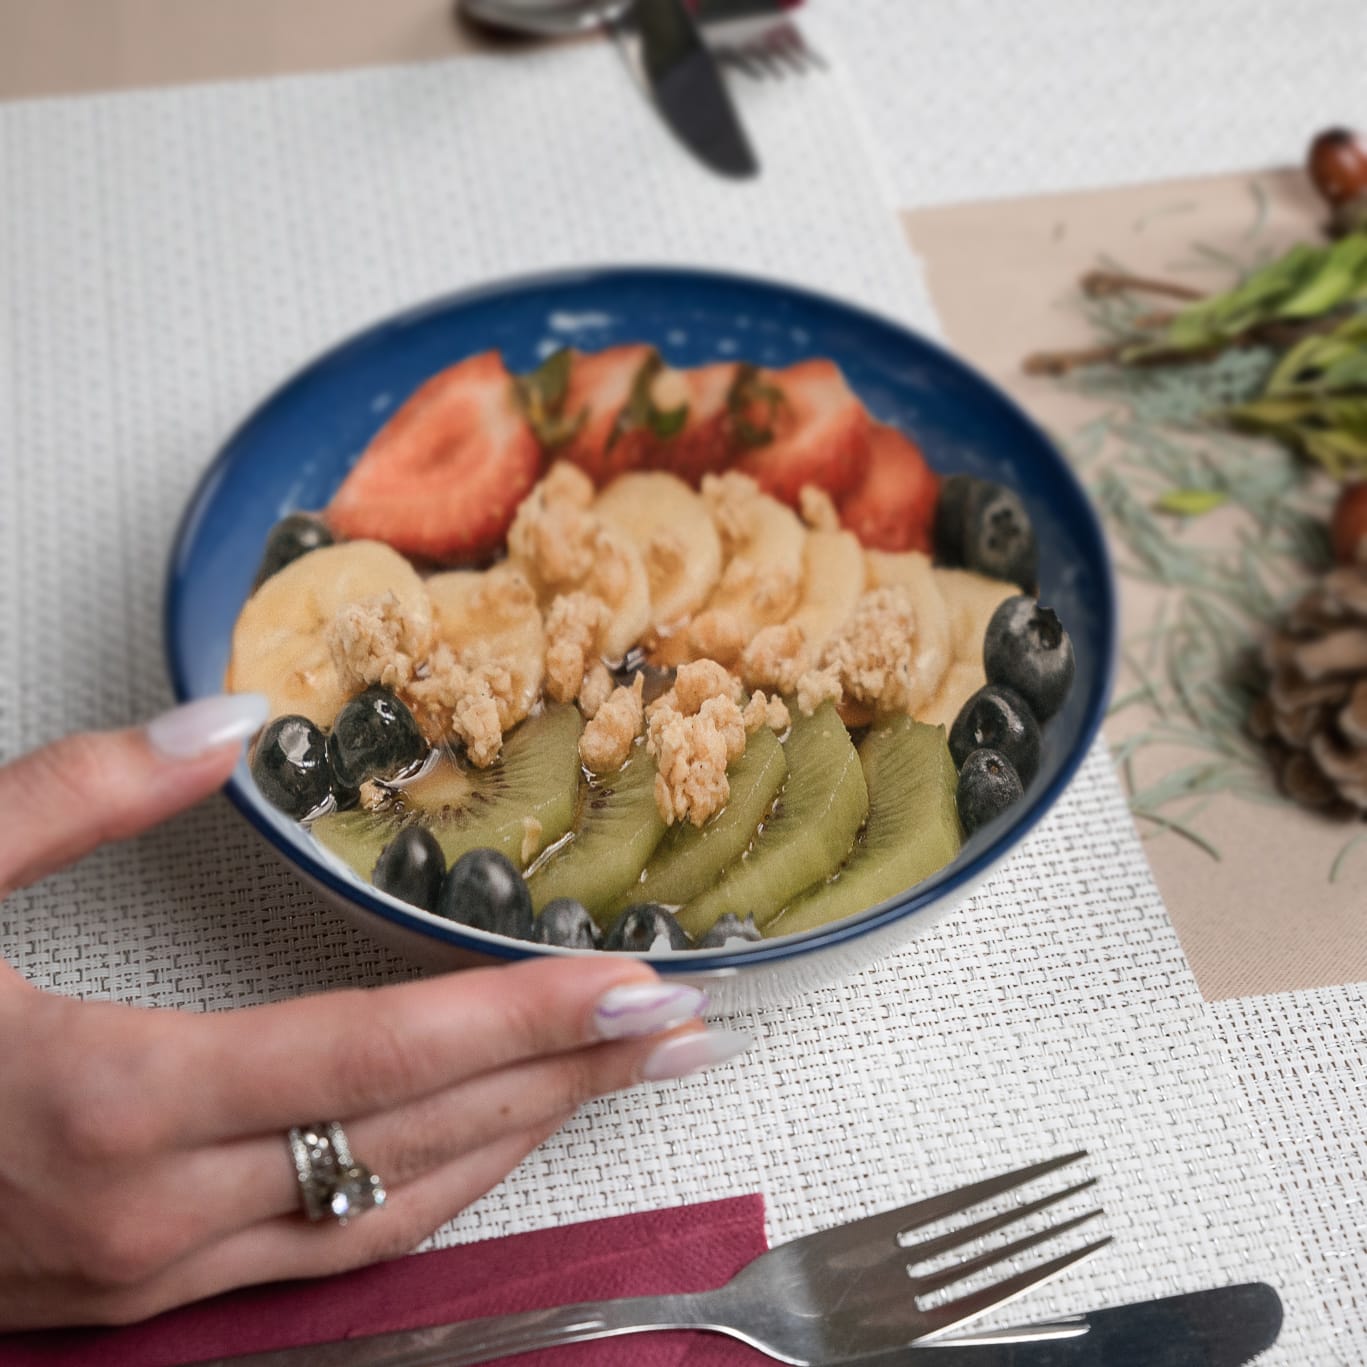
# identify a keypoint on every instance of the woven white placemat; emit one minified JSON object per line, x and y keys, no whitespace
{"x":979,"y":99}
{"x":164,"y":258}
{"x":1302,"y":1059}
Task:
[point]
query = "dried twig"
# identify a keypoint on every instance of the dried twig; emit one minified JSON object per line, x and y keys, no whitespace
{"x":1103,"y":284}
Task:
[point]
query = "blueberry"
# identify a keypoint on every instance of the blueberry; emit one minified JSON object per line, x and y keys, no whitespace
{"x":951,"y":511}
{"x":411,"y":867}
{"x":484,"y":890}
{"x":290,"y":766}
{"x":997,"y":718}
{"x":291,"y":537}
{"x":988,"y":785}
{"x":998,"y":538}
{"x":727,"y":929}
{"x":644,"y":927}
{"x":563,"y":921}
{"x":373,"y":736}
{"x":1026,"y":648}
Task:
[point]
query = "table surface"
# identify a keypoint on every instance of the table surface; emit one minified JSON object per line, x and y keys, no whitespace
{"x":938,"y":104}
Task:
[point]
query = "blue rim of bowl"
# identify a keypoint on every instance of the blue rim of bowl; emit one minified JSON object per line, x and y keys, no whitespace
{"x":702,"y":961}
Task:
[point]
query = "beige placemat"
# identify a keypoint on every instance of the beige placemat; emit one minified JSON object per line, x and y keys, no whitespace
{"x":60,"y":47}
{"x":1264,"y":897}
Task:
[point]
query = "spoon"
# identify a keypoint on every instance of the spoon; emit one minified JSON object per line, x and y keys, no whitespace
{"x":545,"y":18}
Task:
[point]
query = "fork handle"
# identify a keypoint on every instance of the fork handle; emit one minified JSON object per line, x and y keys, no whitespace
{"x":484,"y":1340}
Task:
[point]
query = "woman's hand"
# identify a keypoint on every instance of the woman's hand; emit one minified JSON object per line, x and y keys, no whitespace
{"x":143,"y":1160}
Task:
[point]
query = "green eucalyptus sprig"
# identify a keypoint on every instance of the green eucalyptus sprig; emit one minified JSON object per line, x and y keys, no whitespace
{"x":1307,"y":282}
{"x":1316,"y":399}
{"x":1310,"y":304}
{"x":1335,"y":363}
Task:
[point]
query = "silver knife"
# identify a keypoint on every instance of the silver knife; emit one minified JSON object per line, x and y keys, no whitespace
{"x":1226,"y":1327}
{"x":686,"y":85}
{"x":1222,"y":1328}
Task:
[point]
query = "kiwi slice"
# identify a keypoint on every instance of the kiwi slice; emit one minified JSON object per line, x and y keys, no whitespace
{"x":689,"y":858}
{"x":913,"y":826}
{"x":521,"y":803}
{"x":813,"y":826}
{"x":617,"y":827}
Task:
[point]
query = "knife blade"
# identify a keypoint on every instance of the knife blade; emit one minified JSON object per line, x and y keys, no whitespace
{"x":1224,"y":1327}
{"x":687,"y":87}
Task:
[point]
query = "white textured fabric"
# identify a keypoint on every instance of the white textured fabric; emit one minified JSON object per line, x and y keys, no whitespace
{"x":1302,"y":1060}
{"x":164,"y":258}
{"x":980,"y":99}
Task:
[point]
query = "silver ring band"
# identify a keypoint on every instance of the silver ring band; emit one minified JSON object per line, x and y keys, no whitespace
{"x":332,"y":1185}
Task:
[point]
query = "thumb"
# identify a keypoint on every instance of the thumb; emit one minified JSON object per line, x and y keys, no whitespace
{"x":65,"y":799}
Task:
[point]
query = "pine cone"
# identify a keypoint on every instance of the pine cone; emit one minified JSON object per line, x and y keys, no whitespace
{"x":1314,"y":716}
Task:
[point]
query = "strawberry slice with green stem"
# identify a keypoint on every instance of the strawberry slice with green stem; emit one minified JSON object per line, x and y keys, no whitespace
{"x":707,"y":441}
{"x":443,"y":477}
{"x":607,"y":419}
{"x":803,"y":425}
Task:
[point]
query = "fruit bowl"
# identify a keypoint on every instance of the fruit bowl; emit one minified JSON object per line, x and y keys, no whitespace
{"x":294,"y":451}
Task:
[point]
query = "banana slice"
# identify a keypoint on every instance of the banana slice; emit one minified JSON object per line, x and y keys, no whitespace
{"x":889,"y":569}
{"x":761,"y":584}
{"x":934,"y":646}
{"x":962,"y":681}
{"x":671,"y":528}
{"x":832,"y":582}
{"x":971,"y":600}
{"x":491,"y":618}
{"x":280,"y":645}
{"x":619,"y":578}
{"x":562,"y":547}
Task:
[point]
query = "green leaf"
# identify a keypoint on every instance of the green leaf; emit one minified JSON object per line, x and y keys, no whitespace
{"x":547,"y":385}
{"x":1335,"y":279}
{"x":1306,"y":282}
{"x":1330,"y":429}
{"x":541,"y":396}
{"x":1191,"y":502}
{"x":641,"y":410}
{"x":1333,"y":363}
{"x":753,"y":403}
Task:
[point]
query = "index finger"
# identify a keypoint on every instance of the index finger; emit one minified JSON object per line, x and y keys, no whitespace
{"x":354,"y":1052}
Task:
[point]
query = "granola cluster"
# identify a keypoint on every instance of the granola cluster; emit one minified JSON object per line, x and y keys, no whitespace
{"x":548,"y":622}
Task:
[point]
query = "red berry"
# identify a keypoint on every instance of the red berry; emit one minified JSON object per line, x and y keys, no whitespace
{"x":1348,"y":526}
{"x":443,"y":477}
{"x":1338,"y":165}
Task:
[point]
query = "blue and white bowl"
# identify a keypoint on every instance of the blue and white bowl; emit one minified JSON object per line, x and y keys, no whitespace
{"x":296,"y":448}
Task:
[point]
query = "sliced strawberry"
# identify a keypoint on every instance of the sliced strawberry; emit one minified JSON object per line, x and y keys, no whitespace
{"x":818,"y":432}
{"x":706,"y":443}
{"x":443,"y":477}
{"x":601,"y":386}
{"x":893,"y":507}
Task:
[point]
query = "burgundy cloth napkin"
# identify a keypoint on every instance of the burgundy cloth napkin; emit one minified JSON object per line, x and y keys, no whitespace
{"x":690,"y":1248}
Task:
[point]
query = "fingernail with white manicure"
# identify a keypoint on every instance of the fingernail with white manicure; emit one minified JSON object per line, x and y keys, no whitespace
{"x":637,"y":1009}
{"x":686,"y":1054}
{"x":195,"y":728}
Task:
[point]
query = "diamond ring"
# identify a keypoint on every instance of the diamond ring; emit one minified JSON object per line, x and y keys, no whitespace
{"x":332,"y":1185}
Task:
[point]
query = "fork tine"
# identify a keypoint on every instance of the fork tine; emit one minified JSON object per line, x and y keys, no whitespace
{"x":968,"y":1307}
{"x":785,"y":43}
{"x":927,"y":1249}
{"x":741,"y":59}
{"x":975,"y":1193}
{"x":893,"y":1222}
{"x":937,"y":1281}
{"x":768,"y":60}
{"x":798,"y":42}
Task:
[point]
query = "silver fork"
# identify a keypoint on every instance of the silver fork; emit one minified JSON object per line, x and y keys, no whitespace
{"x":827,"y":1298}
{"x":768,"y":50}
